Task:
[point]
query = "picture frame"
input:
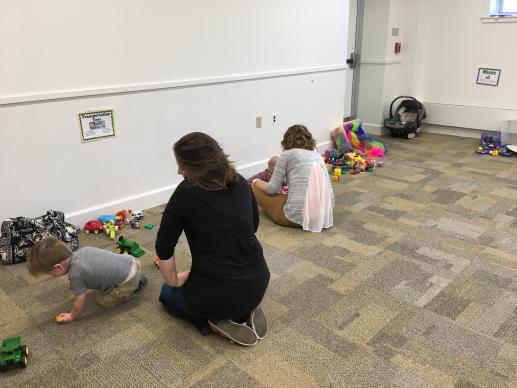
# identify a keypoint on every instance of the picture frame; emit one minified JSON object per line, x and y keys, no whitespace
{"x":487,"y":76}
{"x":96,"y":124}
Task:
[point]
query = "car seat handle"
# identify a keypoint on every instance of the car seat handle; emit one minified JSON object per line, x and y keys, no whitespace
{"x":398,"y":98}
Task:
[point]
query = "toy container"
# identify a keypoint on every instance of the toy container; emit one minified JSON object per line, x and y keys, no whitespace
{"x":490,"y":139}
{"x":509,"y":132}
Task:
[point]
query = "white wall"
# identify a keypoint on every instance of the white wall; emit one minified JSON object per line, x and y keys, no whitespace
{"x":384,"y":74}
{"x":454,"y":44}
{"x":166,"y":68}
{"x":399,"y":76}
{"x":86,"y":44}
{"x":443,"y":45}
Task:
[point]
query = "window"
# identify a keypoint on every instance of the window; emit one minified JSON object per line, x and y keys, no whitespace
{"x":503,"y":7}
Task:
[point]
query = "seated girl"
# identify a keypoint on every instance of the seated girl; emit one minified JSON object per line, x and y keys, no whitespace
{"x":310,"y":199}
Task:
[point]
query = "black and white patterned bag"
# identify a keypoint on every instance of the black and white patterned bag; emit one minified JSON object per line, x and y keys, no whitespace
{"x":18,"y":235}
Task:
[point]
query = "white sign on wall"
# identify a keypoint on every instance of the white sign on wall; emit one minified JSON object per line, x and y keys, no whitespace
{"x":488,"y":76}
{"x":97,"y":124}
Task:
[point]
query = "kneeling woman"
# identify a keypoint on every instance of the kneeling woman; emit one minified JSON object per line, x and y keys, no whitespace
{"x":216,"y":209}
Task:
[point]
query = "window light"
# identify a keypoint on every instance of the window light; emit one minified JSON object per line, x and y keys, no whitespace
{"x":503,"y":8}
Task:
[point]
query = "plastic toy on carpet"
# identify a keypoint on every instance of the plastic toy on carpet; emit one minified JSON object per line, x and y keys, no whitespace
{"x":355,"y":162}
{"x":490,"y":144}
{"x":13,"y":354}
{"x":341,"y":140}
{"x":351,"y":135}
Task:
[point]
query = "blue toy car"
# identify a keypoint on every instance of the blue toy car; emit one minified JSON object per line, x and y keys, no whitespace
{"x":106,"y":218}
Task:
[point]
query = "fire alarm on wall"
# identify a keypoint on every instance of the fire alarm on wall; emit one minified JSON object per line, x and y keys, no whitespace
{"x":398,"y":46}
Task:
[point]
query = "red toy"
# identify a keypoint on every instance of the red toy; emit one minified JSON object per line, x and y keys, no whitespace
{"x":125,"y":215}
{"x":93,"y":226}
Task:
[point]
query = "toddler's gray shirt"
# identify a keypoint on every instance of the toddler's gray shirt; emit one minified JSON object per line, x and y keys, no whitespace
{"x":97,"y":269}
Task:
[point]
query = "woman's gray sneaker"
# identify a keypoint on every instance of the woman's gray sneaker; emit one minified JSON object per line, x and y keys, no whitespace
{"x":237,"y":332}
{"x":257,"y":321}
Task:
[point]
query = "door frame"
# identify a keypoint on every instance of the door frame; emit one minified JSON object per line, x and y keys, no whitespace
{"x":358,"y":46}
{"x":357,"y":51}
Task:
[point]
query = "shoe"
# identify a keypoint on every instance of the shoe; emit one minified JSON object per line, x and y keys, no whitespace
{"x":237,"y":332}
{"x":141,"y":283}
{"x":258,"y":323}
{"x":204,"y":330}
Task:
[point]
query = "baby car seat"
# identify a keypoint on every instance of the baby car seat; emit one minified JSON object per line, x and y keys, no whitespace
{"x":407,"y":118}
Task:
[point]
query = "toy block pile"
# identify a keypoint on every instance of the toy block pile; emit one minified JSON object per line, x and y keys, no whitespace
{"x":355,"y":162}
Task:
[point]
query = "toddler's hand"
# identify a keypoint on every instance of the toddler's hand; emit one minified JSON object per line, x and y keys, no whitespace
{"x":64,"y":318}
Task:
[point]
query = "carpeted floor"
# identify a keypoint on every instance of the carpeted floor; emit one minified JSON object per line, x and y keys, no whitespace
{"x":415,"y":286}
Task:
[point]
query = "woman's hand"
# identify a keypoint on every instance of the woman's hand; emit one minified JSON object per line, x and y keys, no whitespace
{"x":182,"y":278}
{"x":170,"y":274}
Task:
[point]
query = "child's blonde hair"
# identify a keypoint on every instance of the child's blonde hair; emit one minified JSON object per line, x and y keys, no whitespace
{"x":45,"y":254}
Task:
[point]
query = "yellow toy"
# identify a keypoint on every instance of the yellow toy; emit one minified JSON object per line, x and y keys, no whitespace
{"x":111,"y":229}
{"x":337,"y":175}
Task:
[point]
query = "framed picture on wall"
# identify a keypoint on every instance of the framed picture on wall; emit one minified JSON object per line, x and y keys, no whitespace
{"x":488,"y":76}
{"x":97,"y":124}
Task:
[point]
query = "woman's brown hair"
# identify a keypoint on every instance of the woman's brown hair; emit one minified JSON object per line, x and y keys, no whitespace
{"x":204,"y":161}
{"x":298,"y":136}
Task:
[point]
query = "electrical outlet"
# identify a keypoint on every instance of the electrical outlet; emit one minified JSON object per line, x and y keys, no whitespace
{"x":274,"y":119}
{"x":258,"y":122}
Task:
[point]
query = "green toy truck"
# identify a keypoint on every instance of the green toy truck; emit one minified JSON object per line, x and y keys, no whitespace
{"x":125,"y":245}
{"x":13,"y":354}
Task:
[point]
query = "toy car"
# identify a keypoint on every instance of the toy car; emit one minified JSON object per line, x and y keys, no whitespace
{"x":13,"y":354}
{"x":93,"y":226}
{"x":106,"y":218}
{"x":138,"y":215}
{"x":125,"y":245}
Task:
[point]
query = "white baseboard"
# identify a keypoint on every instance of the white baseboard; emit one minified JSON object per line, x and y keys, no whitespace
{"x":451,"y":131}
{"x":149,"y":199}
{"x":157,"y":197}
{"x":465,"y":116}
{"x":373,"y":129}
{"x":138,"y":201}
{"x":321,"y":147}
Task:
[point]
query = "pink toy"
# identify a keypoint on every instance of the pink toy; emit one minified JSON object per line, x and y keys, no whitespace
{"x":351,"y":135}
